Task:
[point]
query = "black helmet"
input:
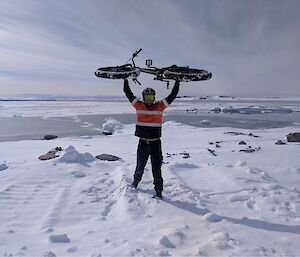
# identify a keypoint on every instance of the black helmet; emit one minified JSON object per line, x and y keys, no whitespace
{"x":148,"y":91}
{"x":148,"y":95}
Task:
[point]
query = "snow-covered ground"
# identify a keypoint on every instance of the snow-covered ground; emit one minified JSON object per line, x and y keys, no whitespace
{"x":232,"y":204}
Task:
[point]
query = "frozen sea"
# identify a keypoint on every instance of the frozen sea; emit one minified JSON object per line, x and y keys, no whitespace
{"x":33,"y":119}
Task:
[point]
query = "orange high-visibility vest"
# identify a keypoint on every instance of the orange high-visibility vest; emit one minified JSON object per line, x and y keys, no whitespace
{"x":149,"y":117}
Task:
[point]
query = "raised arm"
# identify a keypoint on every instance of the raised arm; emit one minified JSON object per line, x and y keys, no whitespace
{"x":128,"y":91}
{"x":171,"y":97}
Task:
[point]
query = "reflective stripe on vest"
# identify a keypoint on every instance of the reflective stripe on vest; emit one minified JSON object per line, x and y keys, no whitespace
{"x":149,"y":112}
{"x":134,"y":101}
{"x":148,"y":124}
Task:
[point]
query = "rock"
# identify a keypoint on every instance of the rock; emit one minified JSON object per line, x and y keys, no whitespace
{"x":234,"y":133}
{"x":48,"y":156}
{"x":250,"y":149}
{"x":49,"y":137}
{"x":3,"y":166}
{"x":242,"y":143}
{"x":51,"y":154}
{"x":192,"y":110}
{"x":252,"y":135}
{"x":212,"y":152}
{"x":108,"y":157}
{"x":216,"y":110}
{"x":185,"y":155}
{"x":293,"y":137}
{"x":107,"y":133}
{"x":280,"y":142}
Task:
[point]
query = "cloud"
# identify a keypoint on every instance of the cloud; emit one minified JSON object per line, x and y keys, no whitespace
{"x":252,"y":47}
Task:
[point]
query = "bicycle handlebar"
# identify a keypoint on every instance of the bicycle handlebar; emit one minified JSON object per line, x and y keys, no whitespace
{"x":136,"y":53}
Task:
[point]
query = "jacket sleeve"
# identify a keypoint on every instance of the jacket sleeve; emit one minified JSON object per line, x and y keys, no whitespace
{"x":128,"y":91}
{"x":171,"y":97}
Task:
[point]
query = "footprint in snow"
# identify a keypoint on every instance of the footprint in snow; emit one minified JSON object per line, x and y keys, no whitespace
{"x":211,"y":217}
{"x":72,"y":249}
{"x":62,"y":238}
{"x":48,"y":254}
{"x":78,"y":174}
{"x":239,"y":198}
{"x":164,"y":241}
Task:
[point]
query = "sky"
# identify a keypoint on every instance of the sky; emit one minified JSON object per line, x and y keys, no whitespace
{"x":251,"y":47}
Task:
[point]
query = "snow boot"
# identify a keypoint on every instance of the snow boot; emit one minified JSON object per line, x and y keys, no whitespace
{"x":159,"y":195}
{"x":134,"y":184}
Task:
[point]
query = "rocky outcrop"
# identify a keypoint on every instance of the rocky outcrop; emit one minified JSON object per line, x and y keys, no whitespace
{"x":51,"y":154}
{"x":293,"y":137}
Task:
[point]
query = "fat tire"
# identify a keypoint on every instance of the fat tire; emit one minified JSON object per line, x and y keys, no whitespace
{"x":186,"y":74}
{"x":117,"y":72}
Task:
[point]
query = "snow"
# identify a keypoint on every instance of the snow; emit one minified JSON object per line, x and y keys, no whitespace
{"x":232,"y":204}
{"x":71,"y":155}
{"x":111,"y":126}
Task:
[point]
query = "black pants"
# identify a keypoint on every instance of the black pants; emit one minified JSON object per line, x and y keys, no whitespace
{"x":152,"y":149}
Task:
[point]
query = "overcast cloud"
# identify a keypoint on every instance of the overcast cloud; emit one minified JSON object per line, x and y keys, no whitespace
{"x":251,"y":47}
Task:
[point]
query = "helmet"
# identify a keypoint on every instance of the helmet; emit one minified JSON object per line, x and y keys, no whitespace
{"x":148,"y":95}
{"x":148,"y":91}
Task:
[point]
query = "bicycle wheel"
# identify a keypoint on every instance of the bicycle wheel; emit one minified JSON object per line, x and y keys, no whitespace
{"x":117,"y":72}
{"x":186,"y":74}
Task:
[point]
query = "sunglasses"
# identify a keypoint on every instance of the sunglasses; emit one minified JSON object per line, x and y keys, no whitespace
{"x":149,"y":98}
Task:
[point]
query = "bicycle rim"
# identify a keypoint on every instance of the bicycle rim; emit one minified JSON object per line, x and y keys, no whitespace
{"x":186,"y":74}
{"x":117,"y":72}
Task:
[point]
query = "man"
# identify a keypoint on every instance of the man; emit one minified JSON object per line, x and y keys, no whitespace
{"x":148,"y":129}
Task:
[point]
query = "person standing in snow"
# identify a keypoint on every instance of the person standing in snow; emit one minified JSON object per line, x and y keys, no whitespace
{"x":148,"y":128}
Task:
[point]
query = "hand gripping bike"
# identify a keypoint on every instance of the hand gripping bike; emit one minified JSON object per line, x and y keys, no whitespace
{"x":174,"y":72}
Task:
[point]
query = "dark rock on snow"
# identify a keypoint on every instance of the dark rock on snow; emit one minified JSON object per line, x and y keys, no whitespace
{"x":293,"y":137}
{"x":48,"y":156}
{"x":250,"y":149}
{"x":107,"y":157}
{"x":49,"y":137}
{"x":51,"y":154}
{"x":279,"y":142}
{"x":107,"y":133}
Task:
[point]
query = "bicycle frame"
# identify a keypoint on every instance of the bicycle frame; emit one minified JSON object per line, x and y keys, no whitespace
{"x":157,"y":72}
